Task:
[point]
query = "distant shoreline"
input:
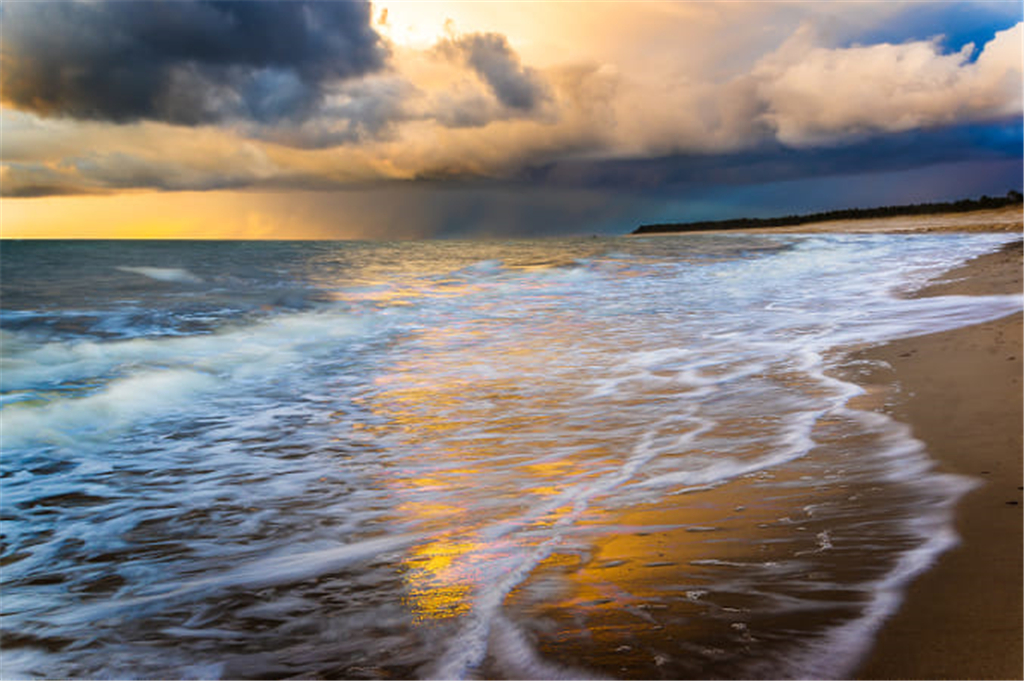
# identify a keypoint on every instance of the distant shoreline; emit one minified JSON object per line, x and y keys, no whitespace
{"x":1012,"y":198}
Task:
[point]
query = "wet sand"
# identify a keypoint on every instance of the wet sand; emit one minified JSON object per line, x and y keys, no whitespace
{"x":961,"y":393}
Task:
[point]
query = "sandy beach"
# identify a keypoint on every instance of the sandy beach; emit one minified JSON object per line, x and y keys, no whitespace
{"x":961,"y":393}
{"x":999,"y":220}
{"x":1006,"y":219}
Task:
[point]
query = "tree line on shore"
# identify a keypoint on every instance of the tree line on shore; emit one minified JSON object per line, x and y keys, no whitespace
{"x":962,"y":206}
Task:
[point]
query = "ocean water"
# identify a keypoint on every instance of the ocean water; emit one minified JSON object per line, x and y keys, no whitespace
{"x":526,"y":459}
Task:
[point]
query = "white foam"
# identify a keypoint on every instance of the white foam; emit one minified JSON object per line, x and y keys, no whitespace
{"x":232,"y":353}
{"x":640,"y":383}
{"x":169,"y":274}
{"x":100,"y":415}
{"x":470,"y":645}
{"x":518,"y":658}
{"x":302,"y":566}
{"x":276,"y":570}
{"x":164,"y":376}
{"x":837,"y":654}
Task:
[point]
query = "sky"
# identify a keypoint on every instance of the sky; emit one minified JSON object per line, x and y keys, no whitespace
{"x":405,"y":119}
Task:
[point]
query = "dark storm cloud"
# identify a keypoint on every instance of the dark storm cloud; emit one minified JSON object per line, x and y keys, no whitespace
{"x":666,"y":178}
{"x":183,"y":62}
{"x":516,"y":86}
{"x":106,"y":173}
{"x":33,"y":180}
{"x":358,"y":111}
{"x":470,"y":111}
{"x":774,"y":162}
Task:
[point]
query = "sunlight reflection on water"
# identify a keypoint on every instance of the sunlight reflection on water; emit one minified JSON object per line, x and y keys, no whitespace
{"x":380,"y":460}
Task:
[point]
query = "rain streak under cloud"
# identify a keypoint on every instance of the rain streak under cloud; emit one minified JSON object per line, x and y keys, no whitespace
{"x":432,"y":118}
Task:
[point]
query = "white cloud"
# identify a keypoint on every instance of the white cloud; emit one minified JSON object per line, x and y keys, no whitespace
{"x":817,"y":95}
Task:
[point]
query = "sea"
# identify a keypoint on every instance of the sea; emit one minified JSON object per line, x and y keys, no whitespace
{"x":555,"y":458}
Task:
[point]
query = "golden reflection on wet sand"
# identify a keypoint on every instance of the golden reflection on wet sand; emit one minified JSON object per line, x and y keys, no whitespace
{"x":694,"y":584}
{"x":482,"y":475}
{"x":438,"y":588}
{"x":640,"y":583}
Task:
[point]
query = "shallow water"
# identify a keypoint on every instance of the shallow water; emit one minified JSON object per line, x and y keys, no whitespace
{"x":606,"y":457}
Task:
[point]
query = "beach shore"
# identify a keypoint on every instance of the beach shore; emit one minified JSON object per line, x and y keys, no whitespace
{"x":960,"y":392}
{"x":1008,"y":219}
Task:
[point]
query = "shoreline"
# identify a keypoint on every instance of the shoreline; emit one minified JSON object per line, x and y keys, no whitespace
{"x":958,"y":616}
{"x":1008,"y":219}
{"x":960,"y":392}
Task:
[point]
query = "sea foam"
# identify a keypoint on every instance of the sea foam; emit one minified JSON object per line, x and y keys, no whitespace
{"x":168,"y":274}
{"x":411,"y":475}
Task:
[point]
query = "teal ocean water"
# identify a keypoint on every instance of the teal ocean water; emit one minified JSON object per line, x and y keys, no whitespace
{"x":523,"y":459}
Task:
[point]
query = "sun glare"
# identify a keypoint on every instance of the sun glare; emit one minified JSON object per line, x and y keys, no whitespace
{"x":411,"y":24}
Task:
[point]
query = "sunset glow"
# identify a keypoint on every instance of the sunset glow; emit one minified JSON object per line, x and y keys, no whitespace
{"x":533,"y":118}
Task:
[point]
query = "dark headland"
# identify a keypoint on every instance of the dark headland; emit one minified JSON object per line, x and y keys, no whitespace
{"x":963,"y":206}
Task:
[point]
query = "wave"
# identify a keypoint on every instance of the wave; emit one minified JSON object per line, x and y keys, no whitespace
{"x":169,"y":274}
{"x":103,"y":387}
{"x":102,"y":414}
{"x":388,"y":475}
